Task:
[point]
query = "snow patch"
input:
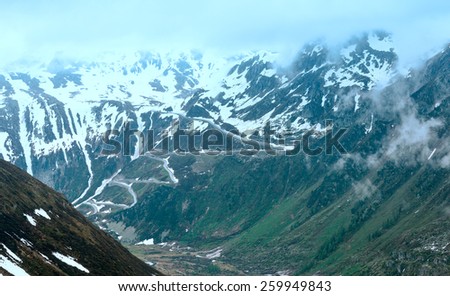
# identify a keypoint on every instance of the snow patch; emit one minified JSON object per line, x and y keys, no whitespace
{"x":70,"y":261}
{"x":380,"y":44}
{"x":10,"y":263}
{"x":147,"y":242}
{"x":42,"y":213}
{"x":368,"y":130}
{"x":46,"y":259}
{"x":30,"y":219}
{"x":26,"y":242}
{"x":432,"y":153}
{"x":11,"y":254}
{"x":169,"y":170}
{"x":268,"y":72}
{"x":324,"y":100}
{"x":11,"y":267}
{"x":357,"y":102}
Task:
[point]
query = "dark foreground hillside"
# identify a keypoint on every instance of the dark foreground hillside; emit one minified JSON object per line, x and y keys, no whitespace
{"x":42,"y":234}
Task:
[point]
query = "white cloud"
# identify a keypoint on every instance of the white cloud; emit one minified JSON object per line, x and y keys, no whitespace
{"x":413,"y":139}
{"x":445,"y":161}
{"x":44,"y":27}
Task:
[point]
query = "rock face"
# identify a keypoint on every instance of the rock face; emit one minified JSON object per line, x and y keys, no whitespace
{"x":42,"y":234}
{"x":382,"y":188}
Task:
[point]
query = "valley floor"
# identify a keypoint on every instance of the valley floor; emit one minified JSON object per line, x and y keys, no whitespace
{"x":174,"y":259}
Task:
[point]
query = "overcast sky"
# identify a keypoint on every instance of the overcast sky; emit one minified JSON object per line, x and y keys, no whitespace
{"x":82,"y":27}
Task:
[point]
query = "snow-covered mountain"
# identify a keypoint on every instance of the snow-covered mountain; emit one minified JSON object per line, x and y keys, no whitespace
{"x":52,"y":116}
